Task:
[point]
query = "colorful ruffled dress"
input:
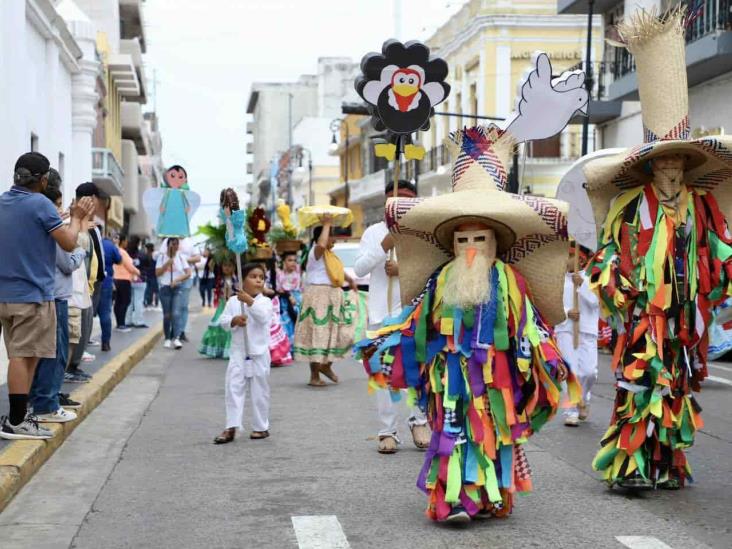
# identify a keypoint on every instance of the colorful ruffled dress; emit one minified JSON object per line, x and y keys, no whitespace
{"x":487,"y":379}
{"x":216,"y":341}
{"x":289,"y":285}
{"x":658,"y":276}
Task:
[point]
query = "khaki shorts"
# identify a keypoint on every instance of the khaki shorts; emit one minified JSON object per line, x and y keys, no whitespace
{"x":74,"y":325}
{"x":29,"y":329}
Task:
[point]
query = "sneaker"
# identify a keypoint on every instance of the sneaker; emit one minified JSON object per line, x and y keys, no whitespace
{"x":177,"y":344}
{"x":636,"y":481}
{"x":584,"y":411}
{"x":140,"y":326}
{"x":82,"y":373}
{"x":183,"y":338}
{"x":27,"y":429}
{"x":88,"y":357}
{"x":458,"y":514}
{"x":93,"y":343}
{"x":73,"y":377}
{"x":124,"y":329}
{"x":59,"y":416}
{"x":572,"y":420}
{"x":67,"y":402}
{"x":168,"y":344}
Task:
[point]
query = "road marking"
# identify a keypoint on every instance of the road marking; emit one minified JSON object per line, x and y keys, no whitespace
{"x":319,"y":532}
{"x":725,"y":368}
{"x":642,"y":542}
{"x":720,"y":380}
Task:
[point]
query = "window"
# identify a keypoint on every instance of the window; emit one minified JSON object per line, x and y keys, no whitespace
{"x":34,"y":143}
{"x":546,"y":148}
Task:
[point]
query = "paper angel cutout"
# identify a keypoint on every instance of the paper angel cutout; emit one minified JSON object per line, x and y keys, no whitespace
{"x":171,"y":206}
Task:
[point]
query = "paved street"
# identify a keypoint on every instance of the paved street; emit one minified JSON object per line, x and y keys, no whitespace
{"x":141,"y":472}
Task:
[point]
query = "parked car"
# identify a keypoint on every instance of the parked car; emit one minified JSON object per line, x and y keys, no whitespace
{"x":348,"y":252}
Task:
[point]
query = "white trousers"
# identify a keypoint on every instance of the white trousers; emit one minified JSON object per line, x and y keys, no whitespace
{"x":238,"y":384}
{"x":388,"y":413}
{"x":582,"y":361}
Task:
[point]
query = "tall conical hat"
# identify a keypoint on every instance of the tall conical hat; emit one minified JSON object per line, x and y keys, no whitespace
{"x":659,"y":49}
{"x":531,"y":231}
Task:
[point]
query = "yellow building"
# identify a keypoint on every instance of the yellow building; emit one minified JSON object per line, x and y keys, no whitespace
{"x":489,"y":48}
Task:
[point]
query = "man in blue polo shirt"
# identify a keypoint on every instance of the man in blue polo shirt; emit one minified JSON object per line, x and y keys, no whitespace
{"x":30,"y":228}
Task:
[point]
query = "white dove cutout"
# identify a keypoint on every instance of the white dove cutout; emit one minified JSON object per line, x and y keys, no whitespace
{"x":546,"y":105}
{"x":581,"y":220}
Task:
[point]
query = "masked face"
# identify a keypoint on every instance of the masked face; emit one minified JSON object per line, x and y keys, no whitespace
{"x":468,"y":283}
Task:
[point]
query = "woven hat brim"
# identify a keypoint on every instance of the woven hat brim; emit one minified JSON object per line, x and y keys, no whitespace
{"x":709,"y":166}
{"x":538,"y":248}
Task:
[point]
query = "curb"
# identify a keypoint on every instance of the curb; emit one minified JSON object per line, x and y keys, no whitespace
{"x":22,"y":458}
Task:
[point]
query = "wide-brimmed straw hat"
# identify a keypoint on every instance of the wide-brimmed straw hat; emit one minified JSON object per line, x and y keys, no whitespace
{"x":658,"y":46}
{"x":531,"y":232}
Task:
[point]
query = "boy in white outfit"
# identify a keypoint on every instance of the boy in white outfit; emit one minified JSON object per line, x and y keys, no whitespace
{"x":583,"y":359}
{"x":248,"y":316}
{"x":373,"y":259}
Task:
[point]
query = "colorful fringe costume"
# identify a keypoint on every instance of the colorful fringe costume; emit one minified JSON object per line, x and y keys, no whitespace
{"x":658,"y":277}
{"x":216,"y":341}
{"x":487,"y":378}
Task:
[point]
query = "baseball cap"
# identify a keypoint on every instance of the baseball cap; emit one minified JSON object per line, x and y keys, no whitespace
{"x":87,"y":189}
{"x":34,"y":162}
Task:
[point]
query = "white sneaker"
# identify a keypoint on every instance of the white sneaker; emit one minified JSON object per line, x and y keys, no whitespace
{"x":93,"y":343}
{"x":572,"y":420}
{"x":168,"y":344}
{"x":27,"y":429}
{"x":177,"y":344}
{"x":59,"y":416}
{"x":88,"y":357}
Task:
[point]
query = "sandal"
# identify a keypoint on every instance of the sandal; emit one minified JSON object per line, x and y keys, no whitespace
{"x":387,"y":445}
{"x":421,"y":436}
{"x":256,"y":435}
{"x":328,"y":372}
{"x":227,"y":435}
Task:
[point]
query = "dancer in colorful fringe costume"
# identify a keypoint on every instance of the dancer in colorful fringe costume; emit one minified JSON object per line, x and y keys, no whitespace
{"x":216,"y":341}
{"x":663,"y":261}
{"x":473,"y":346}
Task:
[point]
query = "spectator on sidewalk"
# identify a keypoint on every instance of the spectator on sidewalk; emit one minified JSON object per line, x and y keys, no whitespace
{"x":147,"y":268}
{"x":123,"y":274}
{"x":208,"y":278}
{"x":79,"y":303}
{"x":27,"y":275}
{"x":172,"y":271}
{"x":136,"y":310}
{"x":112,"y":257}
{"x":95,"y":268}
{"x":49,"y":377}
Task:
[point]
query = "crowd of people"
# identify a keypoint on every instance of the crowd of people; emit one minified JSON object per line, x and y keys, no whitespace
{"x":66,"y":272}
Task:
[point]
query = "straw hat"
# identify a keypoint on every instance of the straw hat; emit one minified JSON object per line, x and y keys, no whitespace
{"x":658,"y":46}
{"x":531,"y":231}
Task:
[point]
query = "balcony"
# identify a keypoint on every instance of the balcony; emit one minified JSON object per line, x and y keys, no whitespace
{"x":106,"y":172}
{"x":250,"y":128}
{"x":250,"y":148}
{"x":250,"y":168}
{"x":133,"y":48}
{"x":134,"y":127}
{"x":131,"y":21}
{"x":124,"y":74}
{"x":582,"y":6}
{"x":131,"y":188}
{"x":139,"y":222}
{"x":708,"y":52}
{"x":601,"y":108}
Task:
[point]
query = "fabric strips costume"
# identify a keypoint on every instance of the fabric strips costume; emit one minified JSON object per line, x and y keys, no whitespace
{"x":663,"y":261}
{"x":216,"y":341}
{"x":487,"y":373}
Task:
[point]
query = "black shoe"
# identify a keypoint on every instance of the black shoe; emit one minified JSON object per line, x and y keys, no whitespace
{"x":106,"y":347}
{"x":66,"y":402}
{"x":183,"y":338}
{"x":140,"y":326}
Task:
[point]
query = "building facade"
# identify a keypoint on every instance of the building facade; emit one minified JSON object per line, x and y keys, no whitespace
{"x":708,"y":63}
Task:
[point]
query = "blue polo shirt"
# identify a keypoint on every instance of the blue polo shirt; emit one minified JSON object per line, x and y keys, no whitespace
{"x":27,"y":249}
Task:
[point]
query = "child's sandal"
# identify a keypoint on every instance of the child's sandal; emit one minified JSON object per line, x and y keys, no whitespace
{"x":256,"y":435}
{"x":227,"y":435}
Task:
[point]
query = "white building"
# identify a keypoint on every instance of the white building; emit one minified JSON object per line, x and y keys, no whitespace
{"x":38,"y":63}
{"x":708,"y":64}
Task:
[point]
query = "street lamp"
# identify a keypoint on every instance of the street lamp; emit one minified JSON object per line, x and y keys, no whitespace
{"x":335,"y":126}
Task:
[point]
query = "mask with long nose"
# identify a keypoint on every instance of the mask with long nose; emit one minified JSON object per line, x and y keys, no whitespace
{"x":468,"y":282}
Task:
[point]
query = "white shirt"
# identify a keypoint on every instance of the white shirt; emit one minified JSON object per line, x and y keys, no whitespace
{"x":180,"y":267}
{"x":589,"y":307}
{"x":372,"y":260}
{"x":259,"y":318}
{"x":316,"y":273}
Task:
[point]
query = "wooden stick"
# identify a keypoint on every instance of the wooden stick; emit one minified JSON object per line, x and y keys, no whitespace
{"x":392,"y":252}
{"x":575,"y":298}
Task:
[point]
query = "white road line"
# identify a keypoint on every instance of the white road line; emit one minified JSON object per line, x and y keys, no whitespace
{"x":720,"y":367}
{"x":720,"y":380}
{"x":319,"y":532}
{"x":642,"y":542}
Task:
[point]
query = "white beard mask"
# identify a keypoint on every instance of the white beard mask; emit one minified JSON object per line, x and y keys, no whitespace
{"x":468,"y":282}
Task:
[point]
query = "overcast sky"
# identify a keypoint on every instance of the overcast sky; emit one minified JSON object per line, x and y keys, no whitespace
{"x":207,"y":54}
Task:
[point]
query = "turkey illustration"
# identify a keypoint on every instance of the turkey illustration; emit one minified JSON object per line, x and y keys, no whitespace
{"x":401,"y":86}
